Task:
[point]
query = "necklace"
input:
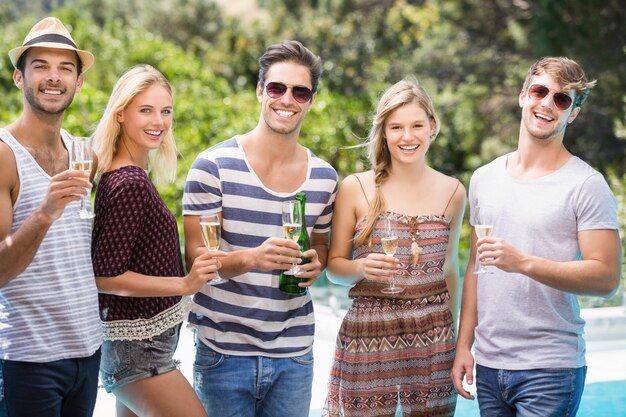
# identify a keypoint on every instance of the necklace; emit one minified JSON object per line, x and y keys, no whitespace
{"x":416,"y":249}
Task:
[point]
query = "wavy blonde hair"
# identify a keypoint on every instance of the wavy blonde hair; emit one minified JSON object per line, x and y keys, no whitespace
{"x":107,"y":136}
{"x":398,"y":95}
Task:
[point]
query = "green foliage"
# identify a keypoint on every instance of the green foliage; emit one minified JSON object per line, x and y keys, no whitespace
{"x":471,"y":55}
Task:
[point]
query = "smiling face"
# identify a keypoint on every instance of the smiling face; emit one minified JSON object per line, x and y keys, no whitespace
{"x":541,"y":119}
{"x":50,"y":79}
{"x":146,"y":120}
{"x":407,"y":131}
{"x":284,"y":115}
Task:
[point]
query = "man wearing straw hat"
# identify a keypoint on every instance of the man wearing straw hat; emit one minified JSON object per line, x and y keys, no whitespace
{"x":50,"y":332}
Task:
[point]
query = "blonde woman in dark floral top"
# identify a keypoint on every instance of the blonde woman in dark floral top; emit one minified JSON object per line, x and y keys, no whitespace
{"x":136,"y":252}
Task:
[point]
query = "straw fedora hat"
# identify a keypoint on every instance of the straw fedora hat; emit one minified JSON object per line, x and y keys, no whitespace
{"x":51,"y":33}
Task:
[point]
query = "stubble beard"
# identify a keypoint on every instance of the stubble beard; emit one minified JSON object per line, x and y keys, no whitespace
{"x":274,"y":127}
{"x":43,"y":110}
{"x":542,"y":135}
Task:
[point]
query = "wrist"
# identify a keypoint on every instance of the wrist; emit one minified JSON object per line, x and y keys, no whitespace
{"x":360,"y":269}
{"x":245,"y":258}
{"x":181,"y":286}
{"x":526,"y":265}
{"x":42,"y":218}
{"x":463,"y":341}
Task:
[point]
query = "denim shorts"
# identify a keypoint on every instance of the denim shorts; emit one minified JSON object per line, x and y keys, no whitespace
{"x":125,"y":361}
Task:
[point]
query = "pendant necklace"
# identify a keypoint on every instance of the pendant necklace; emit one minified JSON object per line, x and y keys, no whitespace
{"x":416,"y":249}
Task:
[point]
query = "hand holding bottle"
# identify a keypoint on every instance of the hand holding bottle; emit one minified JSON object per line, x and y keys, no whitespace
{"x":310,"y":270}
{"x":295,"y":228}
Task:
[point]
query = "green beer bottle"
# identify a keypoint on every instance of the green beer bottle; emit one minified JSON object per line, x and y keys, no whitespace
{"x":289,"y":283}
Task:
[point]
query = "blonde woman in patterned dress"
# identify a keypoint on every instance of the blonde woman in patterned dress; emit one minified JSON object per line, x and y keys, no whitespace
{"x":396,"y":350}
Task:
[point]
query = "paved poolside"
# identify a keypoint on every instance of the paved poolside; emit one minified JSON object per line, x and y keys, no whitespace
{"x":604,"y":396}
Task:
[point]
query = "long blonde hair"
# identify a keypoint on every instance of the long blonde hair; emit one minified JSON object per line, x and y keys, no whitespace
{"x":398,"y":95}
{"x":107,"y":136}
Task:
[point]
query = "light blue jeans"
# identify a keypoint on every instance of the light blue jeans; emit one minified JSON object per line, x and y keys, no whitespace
{"x":529,"y":393}
{"x":249,"y":386}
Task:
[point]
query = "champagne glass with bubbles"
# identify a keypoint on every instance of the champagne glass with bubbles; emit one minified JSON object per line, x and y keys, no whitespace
{"x":81,"y":159}
{"x":292,"y":224}
{"x":389,"y":242}
{"x":212,"y":235}
{"x":482,"y":229}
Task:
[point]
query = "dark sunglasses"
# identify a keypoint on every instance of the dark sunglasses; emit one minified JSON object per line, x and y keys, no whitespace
{"x":300,"y":93}
{"x":561,"y":100}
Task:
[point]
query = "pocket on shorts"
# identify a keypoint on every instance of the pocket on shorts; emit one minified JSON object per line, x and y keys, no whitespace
{"x":306,"y":359}
{"x":116,"y":358}
{"x":165,"y":343}
{"x":207,"y":358}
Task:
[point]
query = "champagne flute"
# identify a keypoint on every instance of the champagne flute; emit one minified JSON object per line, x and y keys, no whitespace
{"x":482,"y":230}
{"x":389,"y":242}
{"x":81,"y":159}
{"x":211,"y":228}
{"x":292,"y":225}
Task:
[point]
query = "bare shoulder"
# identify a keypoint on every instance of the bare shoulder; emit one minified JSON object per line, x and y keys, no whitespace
{"x":8,"y":169}
{"x":9,"y":187}
{"x":452,"y":190}
{"x":358,"y":183}
{"x":355,"y":193}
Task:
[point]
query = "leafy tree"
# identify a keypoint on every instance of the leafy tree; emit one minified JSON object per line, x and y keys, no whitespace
{"x":471,"y":55}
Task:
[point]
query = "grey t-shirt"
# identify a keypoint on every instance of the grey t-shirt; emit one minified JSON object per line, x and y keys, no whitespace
{"x":523,"y":324}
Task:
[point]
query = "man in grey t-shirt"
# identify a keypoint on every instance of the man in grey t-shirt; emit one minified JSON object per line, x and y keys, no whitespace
{"x":553,"y":236}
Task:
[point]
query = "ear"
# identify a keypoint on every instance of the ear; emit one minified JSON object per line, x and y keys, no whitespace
{"x":79,"y":82}
{"x":522,"y":95}
{"x":259,"y":92}
{"x":573,"y":115}
{"x":18,"y":79}
{"x":120,"y":117}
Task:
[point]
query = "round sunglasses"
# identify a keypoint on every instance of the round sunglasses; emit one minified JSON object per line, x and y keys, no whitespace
{"x":300,"y":93}
{"x":562,"y":101}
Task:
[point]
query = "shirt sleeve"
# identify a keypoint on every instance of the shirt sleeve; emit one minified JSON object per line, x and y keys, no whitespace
{"x":203,"y":191}
{"x":322,"y":225}
{"x":120,"y":224}
{"x":596,"y":207}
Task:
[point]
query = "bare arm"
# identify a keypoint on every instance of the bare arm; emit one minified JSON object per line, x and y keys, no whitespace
{"x":343,"y":269}
{"x":451,"y":265}
{"x":133,"y":284}
{"x":598,"y":273}
{"x":274,"y":253}
{"x":18,"y":249}
{"x":464,"y":361}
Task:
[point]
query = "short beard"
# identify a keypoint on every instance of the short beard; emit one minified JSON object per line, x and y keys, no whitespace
{"x":30,"y":97}
{"x":282,"y":131}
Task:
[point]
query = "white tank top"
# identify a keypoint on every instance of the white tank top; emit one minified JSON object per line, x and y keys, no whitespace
{"x":49,"y":311}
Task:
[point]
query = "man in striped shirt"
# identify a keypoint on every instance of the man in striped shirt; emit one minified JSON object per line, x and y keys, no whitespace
{"x":50,"y":331}
{"x":254,"y":343}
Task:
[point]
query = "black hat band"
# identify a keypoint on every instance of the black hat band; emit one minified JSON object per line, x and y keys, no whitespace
{"x":51,"y":38}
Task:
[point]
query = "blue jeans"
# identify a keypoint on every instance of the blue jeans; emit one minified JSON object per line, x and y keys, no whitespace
{"x":66,"y":387}
{"x":534,"y":392}
{"x":248,"y":386}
